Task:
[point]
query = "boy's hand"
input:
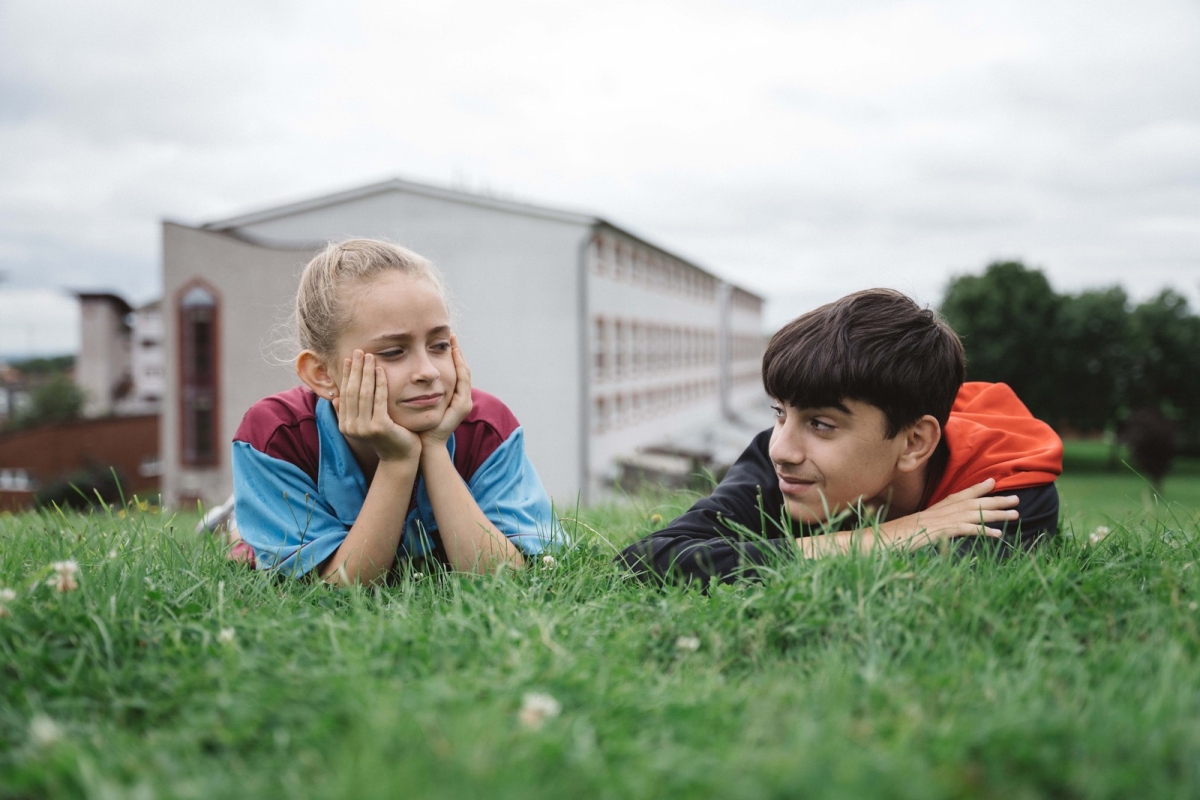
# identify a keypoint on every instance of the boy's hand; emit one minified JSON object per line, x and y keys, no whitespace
{"x":460,"y":401}
{"x":966,"y":513}
{"x":362,"y":410}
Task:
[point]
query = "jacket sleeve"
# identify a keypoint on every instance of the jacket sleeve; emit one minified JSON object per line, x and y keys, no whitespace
{"x":708,"y":539}
{"x":281,"y":515}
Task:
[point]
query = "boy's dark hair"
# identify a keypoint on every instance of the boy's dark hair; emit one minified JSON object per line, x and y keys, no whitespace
{"x":876,"y":346}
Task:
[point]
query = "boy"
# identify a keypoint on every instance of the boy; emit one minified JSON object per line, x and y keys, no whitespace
{"x":871,"y":414}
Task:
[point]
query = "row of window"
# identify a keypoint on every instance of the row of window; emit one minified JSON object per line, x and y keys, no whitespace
{"x":16,"y":480}
{"x":745,"y":346}
{"x":625,"y":261}
{"x":610,"y":412}
{"x":749,"y":374}
{"x":626,"y":349}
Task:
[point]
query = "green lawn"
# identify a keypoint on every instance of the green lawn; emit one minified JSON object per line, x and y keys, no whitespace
{"x":1071,"y":673}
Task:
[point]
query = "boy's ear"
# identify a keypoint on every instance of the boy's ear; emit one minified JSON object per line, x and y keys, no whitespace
{"x":312,"y":370}
{"x":920,"y":441}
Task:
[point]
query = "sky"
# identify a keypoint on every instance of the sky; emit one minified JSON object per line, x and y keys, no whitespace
{"x":800,"y":149}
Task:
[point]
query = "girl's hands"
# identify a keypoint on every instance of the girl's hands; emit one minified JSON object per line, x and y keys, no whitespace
{"x":460,"y":401}
{"x":966,"y":513}
{"x":362,"y":410}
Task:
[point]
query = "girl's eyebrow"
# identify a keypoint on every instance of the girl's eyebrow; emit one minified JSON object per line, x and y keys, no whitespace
{"x":405,"y":336}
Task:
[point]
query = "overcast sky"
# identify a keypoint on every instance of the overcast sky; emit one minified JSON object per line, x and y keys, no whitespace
{"x":801,"y":149}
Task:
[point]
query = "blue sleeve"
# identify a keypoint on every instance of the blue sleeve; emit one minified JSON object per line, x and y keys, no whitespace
{"x":510,"y":493}
{"x":280,"y":513}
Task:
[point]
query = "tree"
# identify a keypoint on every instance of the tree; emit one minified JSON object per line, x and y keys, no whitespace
{"x":1093,"y":358}
{"x":1007,"y":319}
{"x":56,"y":400}
{"x":1165,"y":368}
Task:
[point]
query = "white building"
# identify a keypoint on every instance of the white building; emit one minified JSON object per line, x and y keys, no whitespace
{"x":601,"y":342}
{"x":120,"y":364}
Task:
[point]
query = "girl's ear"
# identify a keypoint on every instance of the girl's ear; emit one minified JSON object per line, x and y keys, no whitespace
{"x":920,"y":442}
{"x":312,"y":370}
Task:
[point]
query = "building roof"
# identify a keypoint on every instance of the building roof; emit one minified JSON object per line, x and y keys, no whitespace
{"x":408,"y":187}
{"x":121,"y":303}
{"x":232,"y":224}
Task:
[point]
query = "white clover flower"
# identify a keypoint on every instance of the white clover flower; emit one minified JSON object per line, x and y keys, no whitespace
{"x":418,"y":575}
{"x":44,"y":731}
{"x":64,"y":579}
{"x":7,"y":595}
{"x":548,"y":562}
{"x":687,"y":644}
{"x":1098,"y":535}
{"x":112,"y":553}
{"x":227,"y":636}
{"x":536,"y":708}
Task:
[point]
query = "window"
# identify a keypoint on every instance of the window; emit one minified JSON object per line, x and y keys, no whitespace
{"x":596,"y":255}
{"x":198,"y":318}
{"x":16,"y":480}
{"x":622,"y":266}
{"x":600,"y":350}
{"x":600,"y":415}
{"x":621,"y":349}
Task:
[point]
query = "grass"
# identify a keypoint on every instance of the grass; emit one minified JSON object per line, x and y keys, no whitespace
{"x":1070,"y":673}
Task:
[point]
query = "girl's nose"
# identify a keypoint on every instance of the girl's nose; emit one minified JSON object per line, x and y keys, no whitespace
{"x":426,"y":371}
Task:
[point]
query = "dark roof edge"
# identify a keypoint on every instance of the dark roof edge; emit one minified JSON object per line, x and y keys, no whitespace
{"x":396,"y":184}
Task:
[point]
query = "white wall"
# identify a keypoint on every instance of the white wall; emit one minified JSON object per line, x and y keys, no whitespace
{"x":254,"y":285}
{"x":513,"y":281}
{"x":521,"y":316}
{"x":514,"y":285}
{"x":103,"y":354}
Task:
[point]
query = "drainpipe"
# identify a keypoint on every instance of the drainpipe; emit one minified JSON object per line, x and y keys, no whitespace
{"x":725,"y":351}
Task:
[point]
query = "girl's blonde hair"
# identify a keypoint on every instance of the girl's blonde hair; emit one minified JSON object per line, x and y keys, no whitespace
{"x":321,"y":308}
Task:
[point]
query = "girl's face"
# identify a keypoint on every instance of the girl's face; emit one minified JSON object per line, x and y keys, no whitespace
{"x":402,"y":320}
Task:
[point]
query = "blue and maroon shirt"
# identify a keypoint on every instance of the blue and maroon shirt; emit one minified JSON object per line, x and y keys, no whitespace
{"x":298,"y":488}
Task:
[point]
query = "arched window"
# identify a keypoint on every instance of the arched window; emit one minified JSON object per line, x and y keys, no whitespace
{"x":198,"y":313}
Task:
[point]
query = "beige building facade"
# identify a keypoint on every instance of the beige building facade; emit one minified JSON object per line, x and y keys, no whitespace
{"x":600,"y":342}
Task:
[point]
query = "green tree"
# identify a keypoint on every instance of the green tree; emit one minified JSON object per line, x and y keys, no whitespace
{"x":1007,"y":319}
{"x":56,"y":400}
{"x":1165,"y":368}
{"x":1093,"y":355}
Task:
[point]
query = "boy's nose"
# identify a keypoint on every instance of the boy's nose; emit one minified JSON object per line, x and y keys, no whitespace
{"x":786,"y":448}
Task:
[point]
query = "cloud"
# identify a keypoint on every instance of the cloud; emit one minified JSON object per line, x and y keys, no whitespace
{"x":38,"y":322}
{"x":804,"y":150}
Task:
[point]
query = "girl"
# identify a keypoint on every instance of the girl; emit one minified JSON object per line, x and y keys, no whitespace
{"x":386,"y":451}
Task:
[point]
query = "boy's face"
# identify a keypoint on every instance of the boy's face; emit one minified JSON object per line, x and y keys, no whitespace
{"x":831,"y":459}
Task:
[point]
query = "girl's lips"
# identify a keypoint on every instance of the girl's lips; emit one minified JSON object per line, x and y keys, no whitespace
{"x":423,"y":401}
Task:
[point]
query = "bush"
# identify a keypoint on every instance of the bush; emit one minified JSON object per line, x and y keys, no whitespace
{"x":81,"y":490}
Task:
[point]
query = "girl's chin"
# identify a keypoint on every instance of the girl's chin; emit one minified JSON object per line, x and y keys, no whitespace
{"x":421,"y":421}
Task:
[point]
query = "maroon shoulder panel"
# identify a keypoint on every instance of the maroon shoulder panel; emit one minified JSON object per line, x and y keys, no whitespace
{"x":488,"y":426}
{"x":284,"y":426}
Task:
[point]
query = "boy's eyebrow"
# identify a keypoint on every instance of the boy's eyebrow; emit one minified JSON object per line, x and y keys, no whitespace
{"x":842,"y":407}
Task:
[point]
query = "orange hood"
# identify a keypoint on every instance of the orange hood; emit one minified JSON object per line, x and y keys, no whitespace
{"x":991,"y":434}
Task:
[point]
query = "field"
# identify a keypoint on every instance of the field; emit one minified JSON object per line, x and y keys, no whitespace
{"x":171,"y":672}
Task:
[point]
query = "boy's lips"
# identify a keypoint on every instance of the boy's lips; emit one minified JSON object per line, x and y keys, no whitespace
{"x":423,"y":400}
{"x":795,"y":486}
